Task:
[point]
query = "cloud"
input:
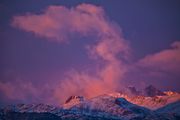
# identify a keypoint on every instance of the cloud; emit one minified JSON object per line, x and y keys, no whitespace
{"x":59,"y":24}
{"x":160,"y":69}
{"x":167,"y":60}
{"x":110,"y":51}
{"x":16,"y":90}
{"x":23,"y":91}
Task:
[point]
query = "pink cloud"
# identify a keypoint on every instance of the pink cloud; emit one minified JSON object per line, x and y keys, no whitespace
{"x":167,"y":60}
{"x":16,"y":89}
{"x":25,"y":91}
{"x":58,"y":24}
{"x":160,"y":69}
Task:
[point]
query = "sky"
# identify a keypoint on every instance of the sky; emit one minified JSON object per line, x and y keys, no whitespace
{"x":52,"y":49}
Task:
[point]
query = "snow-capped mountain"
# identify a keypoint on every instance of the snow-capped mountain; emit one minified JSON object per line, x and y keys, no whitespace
{"x":170,"y":108}
{"x":150,"y":97}
{"x":38,"y":108}
{"x":152,"y":103}
{"x":114,"y":106}
{"x":73,"y":100}
{"x":110,"y":106}
{"x":151,"y":91}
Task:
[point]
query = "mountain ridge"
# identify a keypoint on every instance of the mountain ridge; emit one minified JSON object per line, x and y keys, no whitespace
{"x":115,"y":106}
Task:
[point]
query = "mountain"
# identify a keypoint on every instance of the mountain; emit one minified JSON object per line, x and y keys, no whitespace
{"x":37,"y":108}
{"x":151,"y":91}
{"x":150,"y":97}
{"x":101,"y":107}
{"x":27,"y":116}
{"x":114,"y":106}
{"x":106,"y":105}
{"x":73,"y":100}
{"x":133,"y":91}
{"x":152,"y":103}
{"x":170,"y":108}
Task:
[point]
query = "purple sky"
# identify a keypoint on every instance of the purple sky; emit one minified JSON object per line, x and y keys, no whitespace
{"x":145,"y":47}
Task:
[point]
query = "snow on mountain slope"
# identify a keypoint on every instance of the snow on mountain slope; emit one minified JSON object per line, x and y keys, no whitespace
{"x":152,"y":103}
{"x":131,"y":105}
{"x":104,"y":106}
{"x":72,"y":100}
{"x":170,"y":108}
{"x":107,"y":105}
{"x":38,"y":108}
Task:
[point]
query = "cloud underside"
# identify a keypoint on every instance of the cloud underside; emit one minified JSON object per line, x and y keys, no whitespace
{"x":58,"y":23}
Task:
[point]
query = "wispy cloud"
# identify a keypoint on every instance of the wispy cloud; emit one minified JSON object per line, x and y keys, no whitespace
{"x":58,"y":24}
{"x":160,"y":69}
{"x":18,"y":90}
{"x":167,"y":60}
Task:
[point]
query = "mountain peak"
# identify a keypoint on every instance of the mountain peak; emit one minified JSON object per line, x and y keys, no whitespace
{"x":151,"y":91}
{"x":121,"y":102}
{"x":113,"y":106}
{"x":73,"y":100}
{"x":133,"y":91}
